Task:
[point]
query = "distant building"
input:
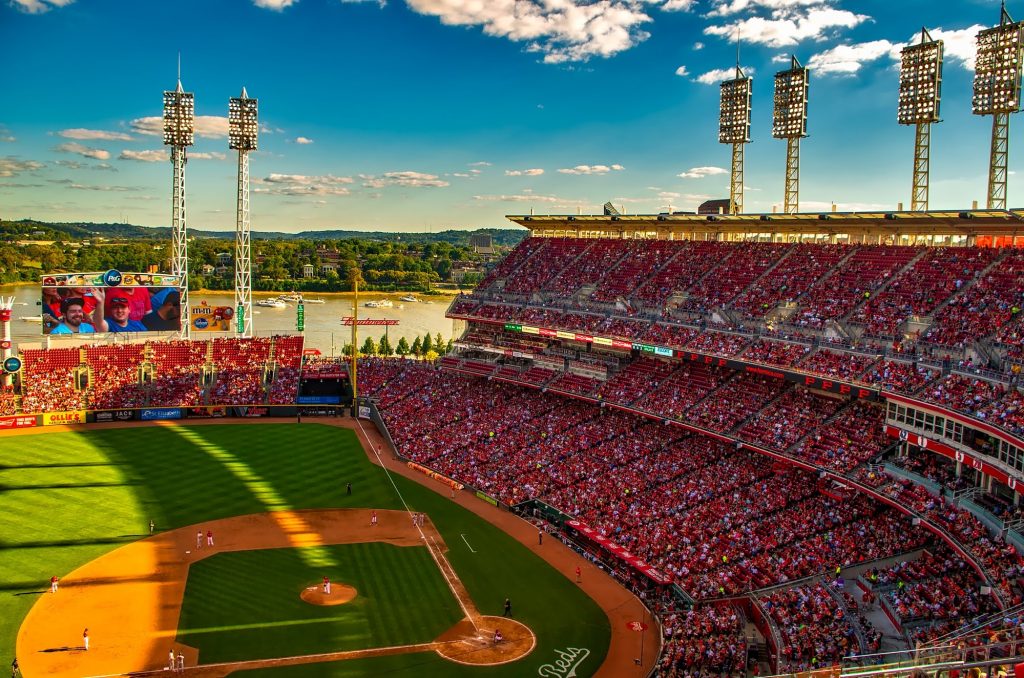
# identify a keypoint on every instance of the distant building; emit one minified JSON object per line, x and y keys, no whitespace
{"x":206,"y":269}
{"x":719,"y":206}
{"x":328,"y":268}
{"x":482,"y":243}
{"x":223,"y":258}
{"x":308,"y":271}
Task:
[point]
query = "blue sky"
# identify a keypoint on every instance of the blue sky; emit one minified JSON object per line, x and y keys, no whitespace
{"x":431,"y":114}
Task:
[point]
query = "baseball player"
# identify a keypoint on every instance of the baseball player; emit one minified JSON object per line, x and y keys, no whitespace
{"x":497,"y":636}
{"x":152,"y":526}
{"x":209,"y":537}
{"x":327,"y":586}
{"x":199,"y":539}
{"x":85,"y":639}
{"x":170,"y":660}
{"x":373,"y":519}
{"x":578,"y":574}
{"x":181,"y":661}
{"x":53,"y":583}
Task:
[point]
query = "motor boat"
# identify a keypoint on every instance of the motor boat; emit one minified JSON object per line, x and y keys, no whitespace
{"x":382,"y":303}
{"x":408,"y":298}
{"x":313,"y":301}
{"x":271,"y":303}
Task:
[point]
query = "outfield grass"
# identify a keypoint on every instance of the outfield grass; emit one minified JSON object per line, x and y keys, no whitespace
{"x":69,"y":497}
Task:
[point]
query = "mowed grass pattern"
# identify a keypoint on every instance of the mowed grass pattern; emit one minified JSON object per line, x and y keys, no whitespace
{"x":246,"y":605}
{"x":70,"y":497}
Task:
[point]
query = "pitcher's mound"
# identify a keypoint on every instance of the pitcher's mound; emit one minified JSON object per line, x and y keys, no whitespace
{"x":339,"y":595}
{"x":465,"y":644}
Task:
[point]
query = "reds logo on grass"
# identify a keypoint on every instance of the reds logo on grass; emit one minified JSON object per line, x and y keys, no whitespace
{"x":565,"y":666}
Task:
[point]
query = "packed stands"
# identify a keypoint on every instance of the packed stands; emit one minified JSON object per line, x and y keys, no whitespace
{"x":178,"y":368}
{"x":116,"y":376}
{"x":930,"y":281}
{"x":241,"y":367}
{"x":48,"y":380}
{"x":813,"y":625}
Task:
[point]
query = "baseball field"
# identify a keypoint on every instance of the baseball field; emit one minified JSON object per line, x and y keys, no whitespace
{"x":406,"y":600}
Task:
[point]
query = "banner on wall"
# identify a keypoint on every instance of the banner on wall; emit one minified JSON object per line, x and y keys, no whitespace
{"x":61,"y":418}
{"x":156,"y":414}
{"x":114,"y":415}
{"x":17,"y":422}
{"x":364,"y":412}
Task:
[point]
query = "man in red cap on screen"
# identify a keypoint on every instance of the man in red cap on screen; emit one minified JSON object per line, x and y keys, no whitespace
{"x":119,"y":319}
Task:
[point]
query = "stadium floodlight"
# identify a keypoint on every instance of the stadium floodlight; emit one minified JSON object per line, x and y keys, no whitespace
{"x":734,"y":128}
{"x":997,"y":74}
{"x":920,"y":95}
{"x":179,"y":129}
{"x":243,"y":127}
{"x":789,"y":122}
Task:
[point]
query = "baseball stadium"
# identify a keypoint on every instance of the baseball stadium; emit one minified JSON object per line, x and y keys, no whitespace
{"x":707,"y":444}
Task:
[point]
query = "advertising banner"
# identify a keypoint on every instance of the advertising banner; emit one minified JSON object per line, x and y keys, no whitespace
{"x":207,"y":412}
{"x":60,"y":418}
{"x":17,"y":422}
{"x":207,"y":318}
{"x":246,"y":411}
{"x":110,"y":302}
{"x":364,"y":412}
{"x":318,"y":399}
{"x":155,"y":414}
{"x":114,"y":415}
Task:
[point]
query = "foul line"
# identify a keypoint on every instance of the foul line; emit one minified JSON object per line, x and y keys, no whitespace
{"x":472,"y":550}
{"x":423,"y":536}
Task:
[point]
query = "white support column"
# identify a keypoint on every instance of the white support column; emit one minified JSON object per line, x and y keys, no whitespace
{"x":243,"y":258}
{"x":179,"y":233}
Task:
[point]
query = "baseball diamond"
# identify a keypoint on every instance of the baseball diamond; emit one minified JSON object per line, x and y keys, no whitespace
{"x":410,"y":599}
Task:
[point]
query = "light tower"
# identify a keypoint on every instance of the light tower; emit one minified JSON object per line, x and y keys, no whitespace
{"x":734,"y":128}
{"x":920,"y":92}
{"x":179,"y":125}
{"x":242,"y":130}
{"x":997,"y":93}
{"x":789,"y":122}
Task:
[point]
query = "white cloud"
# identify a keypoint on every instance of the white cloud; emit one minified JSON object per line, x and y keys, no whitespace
{"x":11,"y":166}
{"x":678,"y":5}
{"x":727,"y":7}
{"x":84,"y":151}
{"x":591,"y":169}
{"x":524,"y":173}
{"x":303,"y":140}
{"x":482,"y":163}
{"x":93,"y":135}
{"x":145,"y":156}
{"x":848,"y":59}
{"x":713,"y":77}
{"x":681,"y":71}
{"x":701,"y":172}
{"x":39,"y":6}
{"x":462,"y":175}
{"x":414,"y":179}
{"x":562,"y":30}
{"x":302,"y":184}
{"x":527,"y":197}
{"x":213,"y":155}
{"x":276,"y":5}
{"x":118,"y":189}
{"x":788,"y":29}
{"x":75,"y":165}
{"x":208,"y":126}
{"x":697,"y":46}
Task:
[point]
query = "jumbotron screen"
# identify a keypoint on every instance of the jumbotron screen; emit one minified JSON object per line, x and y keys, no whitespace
{"x":110,"y":301}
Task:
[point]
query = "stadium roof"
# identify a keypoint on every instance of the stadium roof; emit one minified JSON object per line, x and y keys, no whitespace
{"x":947,"y":223}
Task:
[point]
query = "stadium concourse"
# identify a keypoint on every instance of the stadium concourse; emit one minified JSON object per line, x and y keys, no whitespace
{"x":797,"y":452}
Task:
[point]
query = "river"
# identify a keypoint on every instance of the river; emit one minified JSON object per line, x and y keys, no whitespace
{"x":323,"y":328}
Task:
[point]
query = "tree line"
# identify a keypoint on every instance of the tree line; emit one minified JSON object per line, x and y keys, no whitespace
{"x":426,"y":347}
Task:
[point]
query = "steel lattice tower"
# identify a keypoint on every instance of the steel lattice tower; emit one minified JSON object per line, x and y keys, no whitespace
{"x":243,"y":127}
{"x":179,"y":127}
{"x":920,"y":96}
{"x":789,"y":122}
{"x":997,"y":76}
{"x":734,"y":128}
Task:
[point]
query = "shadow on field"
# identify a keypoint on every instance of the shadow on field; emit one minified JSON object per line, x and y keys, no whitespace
{"x":63,"y":486}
